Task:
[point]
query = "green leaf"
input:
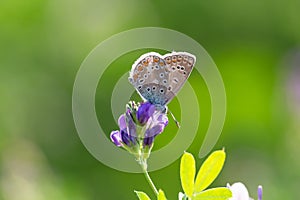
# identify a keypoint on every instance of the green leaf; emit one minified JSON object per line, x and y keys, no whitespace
{"x":221,"y":193}
{"x":142,"y":195}
{"x":187,"y":173}
{"x":209,"y":171}
{"x":161,"y":195}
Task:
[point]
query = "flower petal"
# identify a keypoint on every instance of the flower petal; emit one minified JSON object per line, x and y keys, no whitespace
{"x":180,"y":196}
{"x":148,"y":141}
{"x":125,"y":137}
{"x":116,"y":138}
{"x":130,"y":124}
{"x":162,"y":118}
{"x":145,"y":111}
{"x":155,"y":130}
{"x":122,"y":122}
{"x":128,"y":139}
{"x":239,"y":191}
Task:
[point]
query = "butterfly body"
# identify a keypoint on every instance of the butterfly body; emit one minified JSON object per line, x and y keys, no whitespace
{"x":159,"y":78}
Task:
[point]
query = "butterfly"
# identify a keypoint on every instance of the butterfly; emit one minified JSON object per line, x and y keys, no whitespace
{"x":158,"y":78}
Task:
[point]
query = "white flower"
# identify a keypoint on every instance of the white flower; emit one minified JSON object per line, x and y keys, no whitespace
{"x":180,"y":196}
{"x":239,"y":191}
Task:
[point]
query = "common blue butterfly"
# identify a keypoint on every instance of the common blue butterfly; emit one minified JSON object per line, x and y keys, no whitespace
{"x":159,"y":78}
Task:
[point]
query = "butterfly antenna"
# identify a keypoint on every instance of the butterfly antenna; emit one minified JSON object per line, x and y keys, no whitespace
{"x":175,"y":120}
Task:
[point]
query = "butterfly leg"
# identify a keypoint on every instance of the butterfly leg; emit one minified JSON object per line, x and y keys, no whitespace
{"x":175,"y":120}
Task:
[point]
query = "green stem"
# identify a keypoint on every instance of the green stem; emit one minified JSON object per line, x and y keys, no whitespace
{"x":148,"y":178}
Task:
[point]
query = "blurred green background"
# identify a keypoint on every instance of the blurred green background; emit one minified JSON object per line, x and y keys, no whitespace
{"x":255,"y":45}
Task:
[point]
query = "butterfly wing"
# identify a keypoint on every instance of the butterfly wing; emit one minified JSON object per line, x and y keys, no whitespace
{"x":149,"y":75}
{"x":180,"y":66}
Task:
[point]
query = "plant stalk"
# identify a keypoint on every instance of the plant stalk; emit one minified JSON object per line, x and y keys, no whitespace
{"x":148,"y":178}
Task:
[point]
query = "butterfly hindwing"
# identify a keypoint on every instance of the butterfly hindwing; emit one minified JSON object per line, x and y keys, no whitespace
{"x":179,"y":65}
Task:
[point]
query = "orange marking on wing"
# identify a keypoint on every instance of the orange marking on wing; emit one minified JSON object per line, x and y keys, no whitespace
{"x":168,"y":60}
{"x":145,"y":62}
{"x":174,"y":59}
{"x":140,"y":68}
{"x":135,"y":76}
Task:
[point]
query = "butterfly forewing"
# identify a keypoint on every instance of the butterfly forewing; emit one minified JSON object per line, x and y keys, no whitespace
{"x":179,"y":65}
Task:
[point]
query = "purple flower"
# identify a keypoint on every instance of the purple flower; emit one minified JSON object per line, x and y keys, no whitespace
{"x":127,"y":139}
{"x":259,"y":192}
{"x":139,"y":126}
{"x":151,"y":133}
{"x":145,"y":111}
{"x":156,"y":125}
{"x":148,"y":141}
{"x":131,"y":127}
{"x":126,"y":135}
{"x":116,"y":138}
{"x":122,"y":122}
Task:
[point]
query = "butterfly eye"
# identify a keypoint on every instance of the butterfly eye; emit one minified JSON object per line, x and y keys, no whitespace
{"x":173,"y":68}
{"x":156,"y":67}
{"x":153,"y":88}
{"x":145,"y":76}
{"x":182,"y":68}
{"x":161,"y":75}
{"x":169,"y":88}
{"x":161,"y":90}
{"x":139,"y":87}
{"x":179,"y":58}
{"x":141,"y":80}
{"x":148,"y":89}
{"x":178,"y":67}
{"x":165,"y":81}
